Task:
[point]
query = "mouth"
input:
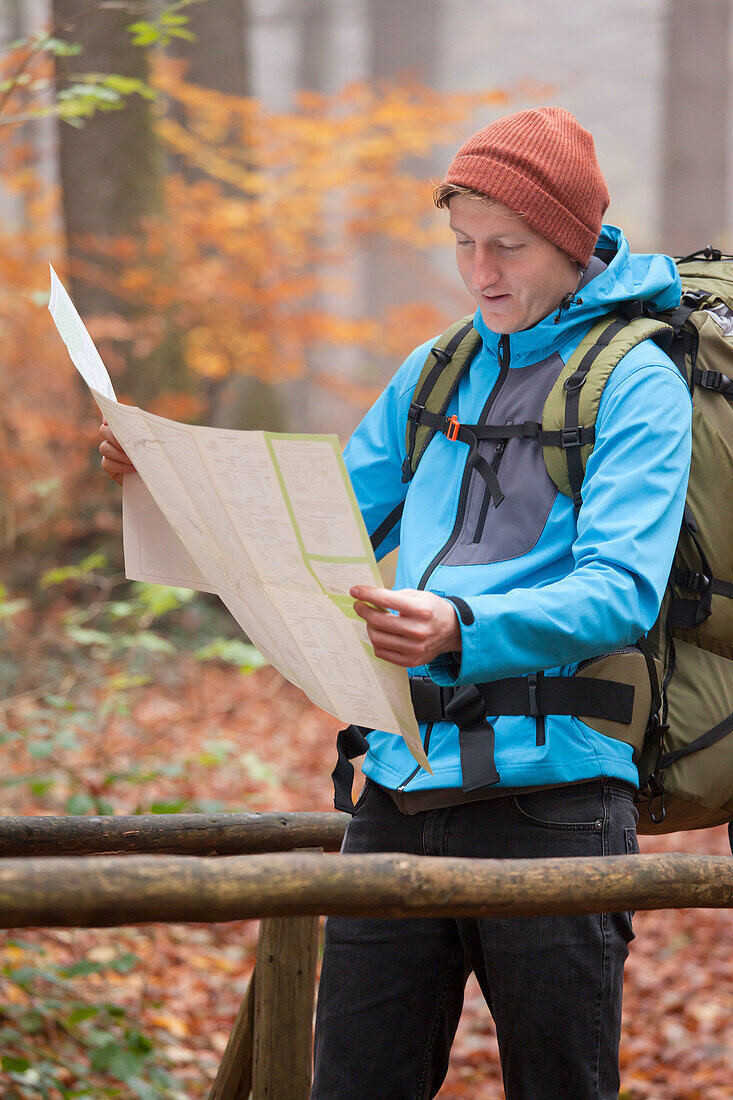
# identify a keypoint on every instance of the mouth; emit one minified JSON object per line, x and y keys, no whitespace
{"x":495,"y":299}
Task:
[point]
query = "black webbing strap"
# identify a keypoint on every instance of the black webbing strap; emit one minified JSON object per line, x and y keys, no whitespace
{"x":464,"y":433}
{"x":688,"y":614}
{"x":699,"y":582}
{"x":572,"y":387}
{"x":476,"y":740}
{"x":526,"y":429}
{"x":704,"y":741}
{"x":468,"y":706}
{"x":531,"y":696}
{"x":386,"y":526}
{"x":443,"y":357}
{"x":350,"y":743}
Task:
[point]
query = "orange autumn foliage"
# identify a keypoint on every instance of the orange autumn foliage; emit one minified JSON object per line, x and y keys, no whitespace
{"x":243,"y":274}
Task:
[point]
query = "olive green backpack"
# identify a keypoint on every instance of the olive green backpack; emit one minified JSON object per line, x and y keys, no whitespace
{"x":686,"y":760}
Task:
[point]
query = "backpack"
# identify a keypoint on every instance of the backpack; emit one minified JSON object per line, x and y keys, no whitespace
{"x":685,"y":762}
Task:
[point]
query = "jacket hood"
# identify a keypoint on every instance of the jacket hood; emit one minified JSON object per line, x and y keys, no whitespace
{"x":619,"y":276}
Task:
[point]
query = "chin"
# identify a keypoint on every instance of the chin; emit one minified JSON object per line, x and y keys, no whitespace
{"x":499,"y":324}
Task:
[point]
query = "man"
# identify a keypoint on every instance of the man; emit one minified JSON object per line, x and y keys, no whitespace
{"x":490,"y":589}
{"x":484,"y":593}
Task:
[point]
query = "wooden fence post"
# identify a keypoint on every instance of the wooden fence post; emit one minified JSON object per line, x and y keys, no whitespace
{"x":234,"y":1078}
{"x":283,"y":1008}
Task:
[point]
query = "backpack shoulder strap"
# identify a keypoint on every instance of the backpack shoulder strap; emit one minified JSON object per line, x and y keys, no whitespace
{"x":573,"y":401}
{"x":438,"y":381}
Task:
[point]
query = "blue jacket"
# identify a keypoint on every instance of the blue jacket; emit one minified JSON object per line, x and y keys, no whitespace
{"x":546,"y":587}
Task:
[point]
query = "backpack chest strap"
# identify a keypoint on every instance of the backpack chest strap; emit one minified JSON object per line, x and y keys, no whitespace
{"x":453,"y":428}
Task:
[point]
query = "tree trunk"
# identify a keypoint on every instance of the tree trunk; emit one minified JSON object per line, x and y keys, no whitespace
{"x":110,"y":167}
{"x":696,"y":129}
{"x":403,"y":43}
{"x":110,"y":171}
{"x":218,"y":60}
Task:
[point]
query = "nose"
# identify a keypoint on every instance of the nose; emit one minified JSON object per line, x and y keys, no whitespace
{"x":485,"y":271}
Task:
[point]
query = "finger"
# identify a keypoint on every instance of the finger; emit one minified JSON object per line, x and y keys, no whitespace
{"x":414,"y":632}
{"x":106,"y":432}
{"x":396,"y":658}
{"x":114,"y":454}
{"x":370,"y":613}
{"x":402,"y":600}
{"x":395,"y":643}
{"x":111,"y":467}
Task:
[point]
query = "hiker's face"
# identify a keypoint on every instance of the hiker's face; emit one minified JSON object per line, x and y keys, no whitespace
{"x":515,"y":276}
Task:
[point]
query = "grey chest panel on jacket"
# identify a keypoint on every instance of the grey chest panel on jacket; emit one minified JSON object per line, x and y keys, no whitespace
{"x":491,"y":534}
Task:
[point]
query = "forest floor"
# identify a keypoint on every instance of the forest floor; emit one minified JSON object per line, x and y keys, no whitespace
{"x":99,"y":1013}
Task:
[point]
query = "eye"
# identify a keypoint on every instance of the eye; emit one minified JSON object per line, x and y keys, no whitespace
{"x":463,"y":243}
{"x":510,"y":247}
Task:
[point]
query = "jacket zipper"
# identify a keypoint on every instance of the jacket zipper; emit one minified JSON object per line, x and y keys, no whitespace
{"x":426,"y":746}
{"x":495,"y":463}
{"x":504,"y":359}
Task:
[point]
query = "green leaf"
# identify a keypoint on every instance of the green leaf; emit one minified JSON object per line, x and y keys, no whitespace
{"x":41,"y":749}
{"x":88,"y":637}
{"x":233,"y":652}
{"x":81,"y":803}
{"x":73,"y":572}
{"x":83,"y":1012}
{"x":159,"y":599}
{"x":120,"y":1062}
{"x":143,"y":34}
{"x":14,"y":1065}
{"x":59,"y":48}
{"x":83,"y":967}
{"x":168,"y":807}
{"x":149,"y":641}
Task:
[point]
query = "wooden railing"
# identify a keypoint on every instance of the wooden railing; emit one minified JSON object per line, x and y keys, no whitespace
{"x":60,"y":872}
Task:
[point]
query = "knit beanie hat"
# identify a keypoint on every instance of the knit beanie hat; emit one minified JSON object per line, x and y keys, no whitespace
{"x":541,"y":164}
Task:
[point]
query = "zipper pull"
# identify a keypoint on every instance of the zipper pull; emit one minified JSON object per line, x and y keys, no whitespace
{"x":504,"y":352}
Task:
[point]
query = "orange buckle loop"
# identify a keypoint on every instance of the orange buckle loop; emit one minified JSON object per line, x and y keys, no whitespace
{"x":453,"y":427}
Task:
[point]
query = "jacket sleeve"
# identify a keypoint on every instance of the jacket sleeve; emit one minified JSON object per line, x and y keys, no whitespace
{"x":627,"y":530}
{"x":376,"y":451}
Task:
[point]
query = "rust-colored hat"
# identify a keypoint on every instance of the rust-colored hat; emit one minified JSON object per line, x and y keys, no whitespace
{"x":541,"y":164}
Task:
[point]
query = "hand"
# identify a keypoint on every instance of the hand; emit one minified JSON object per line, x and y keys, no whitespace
{"x":114,"y":460}
{"x":425,"y":626}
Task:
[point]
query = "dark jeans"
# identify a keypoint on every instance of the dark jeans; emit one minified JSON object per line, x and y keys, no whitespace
{"x":391,"y":991}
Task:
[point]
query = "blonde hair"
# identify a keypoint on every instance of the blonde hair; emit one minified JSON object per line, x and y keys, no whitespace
{"x":444,"y":192}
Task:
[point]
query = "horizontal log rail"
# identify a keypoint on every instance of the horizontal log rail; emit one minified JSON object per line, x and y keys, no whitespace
{"x":117,"y":890}
{"x":179,"y":834}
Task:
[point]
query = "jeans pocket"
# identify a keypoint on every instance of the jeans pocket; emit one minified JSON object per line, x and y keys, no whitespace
{"x":576,"y":807}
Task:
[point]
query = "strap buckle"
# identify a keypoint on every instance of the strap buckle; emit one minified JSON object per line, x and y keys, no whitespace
{"x":415,"y":411}
{"x":696,"y":582}
{"x":713,"y":380}
{"x":453,"y":428}
{"x":570,"y":437}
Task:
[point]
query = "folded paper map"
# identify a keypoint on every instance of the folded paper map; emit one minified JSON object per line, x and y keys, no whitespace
{"x":267,"y":521}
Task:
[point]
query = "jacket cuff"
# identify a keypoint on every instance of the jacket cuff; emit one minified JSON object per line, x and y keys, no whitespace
{"x":446,"y":668}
